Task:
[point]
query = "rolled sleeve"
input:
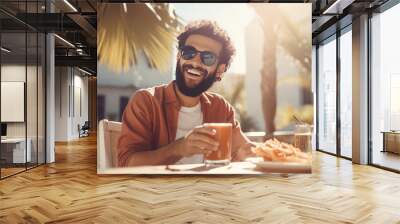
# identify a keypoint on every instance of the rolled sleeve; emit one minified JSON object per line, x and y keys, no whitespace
{"x":136,"y":134}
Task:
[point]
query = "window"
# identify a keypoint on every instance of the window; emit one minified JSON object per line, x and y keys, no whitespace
{"x":123,"y":101}
{"x":101,"y":104}
{"x":327,"y":96}
{"x":346,"y":93}
{"x":385,"y":88}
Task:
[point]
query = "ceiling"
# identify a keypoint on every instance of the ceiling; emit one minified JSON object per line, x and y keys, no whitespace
{"x":76,"y":20}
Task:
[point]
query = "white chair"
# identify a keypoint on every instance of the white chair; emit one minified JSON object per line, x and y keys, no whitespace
{"x":107,"y":140}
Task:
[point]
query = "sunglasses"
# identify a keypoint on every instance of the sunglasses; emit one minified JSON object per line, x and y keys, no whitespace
{"x":207,"y":58}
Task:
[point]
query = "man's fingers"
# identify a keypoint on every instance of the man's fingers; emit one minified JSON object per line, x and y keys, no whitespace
{"x":204,"y":138}
{"x":204,"y":146}
{"x":205,"y":130}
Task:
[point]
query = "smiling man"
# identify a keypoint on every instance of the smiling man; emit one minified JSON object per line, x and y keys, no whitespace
{"x":164,"y":124}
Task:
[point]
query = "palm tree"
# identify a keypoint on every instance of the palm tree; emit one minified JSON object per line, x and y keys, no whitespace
{"x":126,"y":30}
{"x":268,"y":70}
{"x":273,"y":20}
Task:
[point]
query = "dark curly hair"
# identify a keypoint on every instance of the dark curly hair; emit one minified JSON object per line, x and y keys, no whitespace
{"x":212,"y":30}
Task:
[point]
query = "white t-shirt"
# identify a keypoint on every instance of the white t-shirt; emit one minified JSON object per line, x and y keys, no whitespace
{"x":188,"y":118}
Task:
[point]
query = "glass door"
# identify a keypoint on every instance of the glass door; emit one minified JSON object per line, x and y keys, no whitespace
{"x":14,"y":144}
{"x":22,"y":77}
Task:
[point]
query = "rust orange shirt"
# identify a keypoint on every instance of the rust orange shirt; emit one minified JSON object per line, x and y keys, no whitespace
{"x":150,"y":120}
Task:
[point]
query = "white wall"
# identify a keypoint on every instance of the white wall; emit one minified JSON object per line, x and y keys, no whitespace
{"x":80,"y":83}
{"x":61,"y":103}
{"x":70,"y":83}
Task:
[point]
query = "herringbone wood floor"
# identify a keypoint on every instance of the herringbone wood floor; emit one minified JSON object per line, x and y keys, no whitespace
{"x":69,"y":191}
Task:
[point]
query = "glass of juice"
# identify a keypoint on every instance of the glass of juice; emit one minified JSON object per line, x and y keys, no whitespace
{"x":303,"y":138}
{"x":223,"y":135}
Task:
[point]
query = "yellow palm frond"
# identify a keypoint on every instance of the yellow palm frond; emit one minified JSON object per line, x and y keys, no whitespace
{"x":125,"y":32}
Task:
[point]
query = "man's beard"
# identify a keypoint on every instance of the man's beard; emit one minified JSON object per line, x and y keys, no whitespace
{"x":192,"y":91}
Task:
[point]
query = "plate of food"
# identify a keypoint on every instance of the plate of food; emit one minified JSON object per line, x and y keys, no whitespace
{"x":281,"y":157}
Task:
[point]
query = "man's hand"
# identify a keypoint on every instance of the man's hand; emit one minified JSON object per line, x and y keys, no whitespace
{"x":244,"y":151}
{"x":200,"y":140}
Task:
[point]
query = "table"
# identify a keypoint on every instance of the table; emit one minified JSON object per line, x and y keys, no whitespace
{"x":235,"y":168}
{"x":18,"y":151}
{"x":391,"y":141}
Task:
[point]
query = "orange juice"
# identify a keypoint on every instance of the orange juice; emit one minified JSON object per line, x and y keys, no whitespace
{"x":224,"y":137}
